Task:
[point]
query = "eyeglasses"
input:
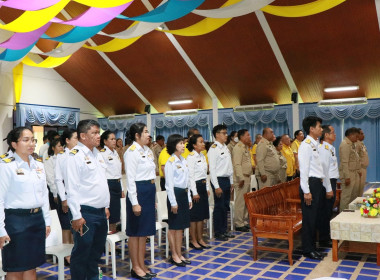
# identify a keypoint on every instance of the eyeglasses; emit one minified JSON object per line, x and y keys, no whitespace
{"x":29,"y":140}
{"x":224,"y":133}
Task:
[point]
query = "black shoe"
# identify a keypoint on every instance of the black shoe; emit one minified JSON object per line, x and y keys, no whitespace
{"x":181,"y":264}
{"x":66,"y":263}
{"x":325,"y":244}
{"x":186,"y":261}
{"x":228,"y":235}
{"x":205,"y":247}
{"x":196,"y":248}
{"x":221,"y":237}
{"x":321,"y":253}
{"x":313,"y":255}
{"x":145,"y":277}
{"x":242,"y":229}
{"x":151,"y":274}
{"x":248,"y":227}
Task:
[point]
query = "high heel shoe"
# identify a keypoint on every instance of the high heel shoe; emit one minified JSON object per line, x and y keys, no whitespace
{"x":204,"y":247}
{"x":151,"y":274}
{"x":145,"y":277}
{"x":186,"y":261}
{"x":196,"y":248}
{"x":181,"y":264}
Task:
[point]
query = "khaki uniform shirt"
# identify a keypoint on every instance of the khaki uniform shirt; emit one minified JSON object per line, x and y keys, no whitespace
{"x":363,"y":154}
{"x":231,"y":146}
{"x":241,"y":160}
{"x":349,"y":158}
{"x":156,"y":152}
{"x":266,"y":158}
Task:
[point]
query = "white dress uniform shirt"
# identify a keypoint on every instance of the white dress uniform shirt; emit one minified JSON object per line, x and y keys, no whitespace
{"x":220,"y":162}
{"x":113,"y":163}
{"x":6,"y":155}
{"x":23,"y":186}
{"x":50,"y":164}
{"x":43,"y":149}
{"x":61,"y":173}
{"x":197,"y":170}
{"x":309,"y":163}
{"x":176,"y":176}
{"x":139,"y":166}
{"x":86,"y":180}
{"x":329,"y":162}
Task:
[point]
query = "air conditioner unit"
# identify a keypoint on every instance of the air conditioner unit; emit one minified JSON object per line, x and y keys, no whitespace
{"x":121,"y":117}
{"x":343,"y":101}
{"x":181,"y":112}
{"x":258,"y":107}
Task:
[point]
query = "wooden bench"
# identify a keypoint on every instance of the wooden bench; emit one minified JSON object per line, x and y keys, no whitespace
{"x":275,"y":212}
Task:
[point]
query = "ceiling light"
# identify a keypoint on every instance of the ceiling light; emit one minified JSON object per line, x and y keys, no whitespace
{"x":258,"y":107}
{"x":181,"y":112}
{"x":343,"y":101}
{"x":347,"y":88}
{"x":184,"y":101}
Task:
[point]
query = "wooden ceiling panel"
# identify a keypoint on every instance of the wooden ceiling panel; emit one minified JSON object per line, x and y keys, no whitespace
{"x":335,"y":48}
{"x":237,"y":62}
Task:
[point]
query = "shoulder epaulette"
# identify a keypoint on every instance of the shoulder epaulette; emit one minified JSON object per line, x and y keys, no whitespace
{"x":47,"y":158}
{"x":62,"y":152}
{"x":171,"y":159}
{"x":40,"y":160}
{"x":74,"y":151}
{"x":326,"y":147}
{"x":240,"y":145}
{"x":308,"y":141}
{"x":191,"y":153}
{"x":8,"y":160}
{"x":102,"y":150}
{"x":133,"y":147}
{"x":213,"y":146}
{"x":4,"y":155}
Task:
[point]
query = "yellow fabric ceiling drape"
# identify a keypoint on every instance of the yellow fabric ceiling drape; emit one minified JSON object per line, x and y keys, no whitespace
{"x":49,"y":62}
{"x":102,"y":3}
{"x":17,"y":81}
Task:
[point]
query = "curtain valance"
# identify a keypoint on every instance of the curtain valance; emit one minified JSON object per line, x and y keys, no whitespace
{"x":115,"y":125}
{"x":203,"y":118}
{"x":30,"y":114}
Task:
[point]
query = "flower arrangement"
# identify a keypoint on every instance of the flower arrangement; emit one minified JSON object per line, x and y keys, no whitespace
{"x":370,"y":207}
{"x":376,"y":193}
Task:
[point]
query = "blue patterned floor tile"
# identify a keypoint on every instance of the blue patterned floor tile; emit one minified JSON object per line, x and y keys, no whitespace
{"x":221,"y":260}
{"x":345,"y":268}
{"x":272,"y":274}
{"x":211,"y":265}
{"x":341,"y":275}
{"x":353,"y":258}
{"x":241,"y":277}
{"x":349,"y":263}
{"x":230,"y":268}
{"x":369,"y":271}
{"x":279,"y":268}
{"x":203,"y":258}
{"x":294,"y":277}
{"x":238,"y":251}
{"x":246,"y":258}
{"x":307,"y":265}
{"x":259,"y":265}
{"x":301,"y":271}
{"x":163,"y":265}
{"x":251,"y":271}
{"x":195,"y":263}
{"x":212,"y":253}
{"x":169,"y":274}
{"x":239,"y":263}
{"x":201,"y":271}
{"x":230,"y":256}
{"x":220,"y":249}
{"x":189,"y":277}
{"x":371,"y":265}
{"x":365,"y":277}
{"x":222,"y":275}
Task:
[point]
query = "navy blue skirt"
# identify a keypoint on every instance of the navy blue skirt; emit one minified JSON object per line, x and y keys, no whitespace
{"x":145,"y":224}
{"x":26,"y":250}
{"x":114,"y":187}
{"x":200,"y":210}
{"x":64,"y":218}
{"x":181,"y":220}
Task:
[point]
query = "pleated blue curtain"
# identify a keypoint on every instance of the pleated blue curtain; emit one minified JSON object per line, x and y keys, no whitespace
{"x":31,"y":114}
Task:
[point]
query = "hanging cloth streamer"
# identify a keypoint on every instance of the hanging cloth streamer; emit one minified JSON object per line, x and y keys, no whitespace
{"x":241,"y":8}
{"x":29,"y":5}
{"x":136,"y":29}
{"x":103,"y":3}
{"x":13,"y":55}
{"x":62,"y":50}
{"x":49,"y":62}
{"x":114,"y":45}
{"x":17,"y":81}
{"x":304,"y":10}
{"x":170,"y":10}
{"x":32,"y":20}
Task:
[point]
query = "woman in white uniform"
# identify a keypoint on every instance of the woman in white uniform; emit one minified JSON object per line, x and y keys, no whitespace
{"x":113,"y":173}
{"x":24,"y":208}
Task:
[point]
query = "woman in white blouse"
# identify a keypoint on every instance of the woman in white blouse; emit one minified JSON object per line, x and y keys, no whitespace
{"x":200,"y":190}
{"x":177,"y":184}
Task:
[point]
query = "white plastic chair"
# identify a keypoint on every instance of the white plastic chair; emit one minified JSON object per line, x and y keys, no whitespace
{"x":162,"y":214}
{"x":112,"y":239}
{"x":55,"y":246}
{"x":2,"y":273}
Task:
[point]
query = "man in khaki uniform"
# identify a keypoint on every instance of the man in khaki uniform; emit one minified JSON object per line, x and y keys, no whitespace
{"x":364,"y":160}
{"x":268,"y":163}
{"x":242,"y":165}
{"x":160,"y":140}
{"x":349,"y":167}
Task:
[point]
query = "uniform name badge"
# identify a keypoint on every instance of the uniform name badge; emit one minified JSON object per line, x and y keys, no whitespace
{"x":20,"y":172}
{"x":110,"y":158}
{"x":87,"y":160}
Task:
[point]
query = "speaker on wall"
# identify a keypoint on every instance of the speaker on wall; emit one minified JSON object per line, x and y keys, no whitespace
{"x":295,"y":97}
{"x":147,"y":109}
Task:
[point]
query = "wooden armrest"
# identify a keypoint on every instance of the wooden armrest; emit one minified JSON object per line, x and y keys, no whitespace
{"x":270,"y":217}
{"x":294,"y":200}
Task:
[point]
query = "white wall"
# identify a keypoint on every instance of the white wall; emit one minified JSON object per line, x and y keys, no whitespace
{"x":40,"y":86}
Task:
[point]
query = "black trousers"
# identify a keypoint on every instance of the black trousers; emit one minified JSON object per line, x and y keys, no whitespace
{"x":325,"y":215}
{"x":162,"y":183}
{"x":310,"y":214}
{"x":221,"y":205}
